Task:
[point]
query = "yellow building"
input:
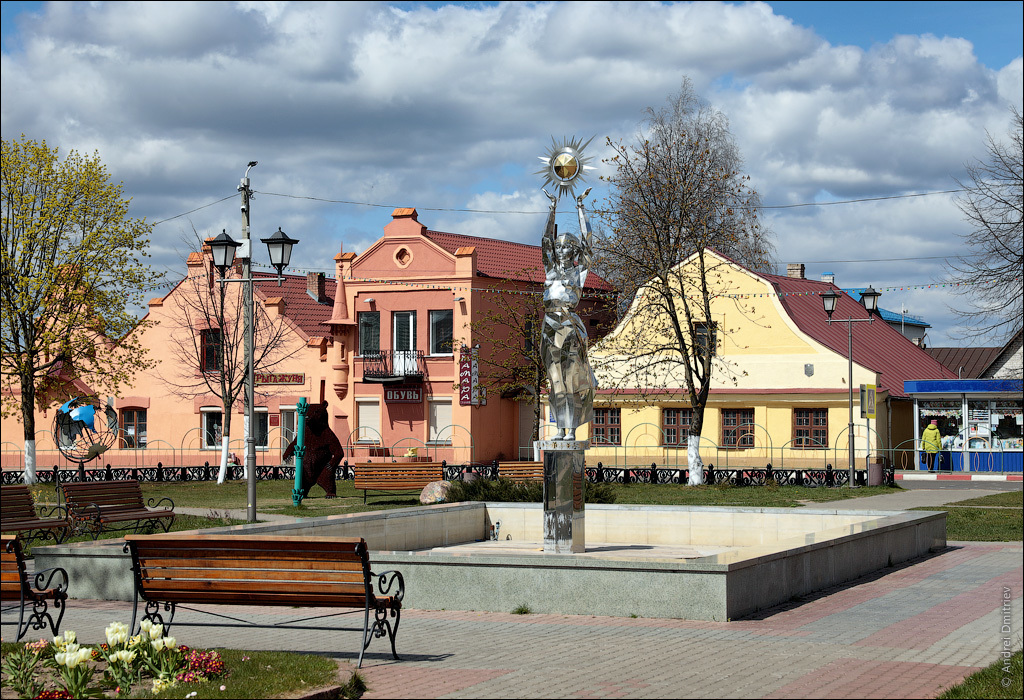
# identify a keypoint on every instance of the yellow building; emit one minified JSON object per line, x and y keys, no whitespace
{"x":779,"y":387}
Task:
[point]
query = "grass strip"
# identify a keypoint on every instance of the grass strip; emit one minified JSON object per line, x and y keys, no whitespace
{"x":981,"y":524}
{"x":182,"y":523}
{"x":1003,"y":679}
{"x":1007,"y":499}
{"x":768,"y":496}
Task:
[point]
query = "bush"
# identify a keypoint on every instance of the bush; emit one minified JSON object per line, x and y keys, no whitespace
{"x":508,"y":491}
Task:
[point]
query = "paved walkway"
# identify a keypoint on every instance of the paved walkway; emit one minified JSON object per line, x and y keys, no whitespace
{"x":905,"y":632}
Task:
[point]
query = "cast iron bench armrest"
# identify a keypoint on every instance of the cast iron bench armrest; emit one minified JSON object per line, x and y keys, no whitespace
{"x":150,"y":504}
{"x":385,"y":580}
{"x":43,"y":590}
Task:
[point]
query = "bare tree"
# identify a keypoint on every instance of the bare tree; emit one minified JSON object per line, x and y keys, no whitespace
{"x":207,"y":341}
{"x":677,"y":198}
{"x":993,"y":202}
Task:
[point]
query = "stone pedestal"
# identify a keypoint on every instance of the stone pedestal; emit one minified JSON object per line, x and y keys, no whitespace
{"x":563,"y":495}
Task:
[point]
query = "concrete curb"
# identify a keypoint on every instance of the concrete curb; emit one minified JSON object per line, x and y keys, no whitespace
{"x":924,"y":476}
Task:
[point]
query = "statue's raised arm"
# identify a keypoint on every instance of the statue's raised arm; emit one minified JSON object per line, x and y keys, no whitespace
{"x":547,"y":241}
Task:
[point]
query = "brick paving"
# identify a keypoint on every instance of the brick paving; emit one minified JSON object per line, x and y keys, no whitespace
{"x":909,"y":631}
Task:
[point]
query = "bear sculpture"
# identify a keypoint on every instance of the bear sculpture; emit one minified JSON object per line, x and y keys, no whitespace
{"x":323,"y":451}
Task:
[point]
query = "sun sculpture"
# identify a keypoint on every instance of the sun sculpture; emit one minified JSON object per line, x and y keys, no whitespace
{"x":565,"y":165}
{"x":84,"y":429}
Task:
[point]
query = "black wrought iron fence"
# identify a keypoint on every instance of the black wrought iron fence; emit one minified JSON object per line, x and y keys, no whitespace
{"x":735,"y":476}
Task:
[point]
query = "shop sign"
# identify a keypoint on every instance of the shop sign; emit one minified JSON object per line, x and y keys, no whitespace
{"x":469,"y":377}
{"x":280,"y":378}
{"x":403,"y":394}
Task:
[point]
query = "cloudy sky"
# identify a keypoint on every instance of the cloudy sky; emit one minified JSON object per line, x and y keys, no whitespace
{"x":354,"y":108}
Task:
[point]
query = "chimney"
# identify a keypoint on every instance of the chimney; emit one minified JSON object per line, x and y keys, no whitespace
{"x":829,"y":277}
{"x":795,"y":270}
{"x":316,"y":286}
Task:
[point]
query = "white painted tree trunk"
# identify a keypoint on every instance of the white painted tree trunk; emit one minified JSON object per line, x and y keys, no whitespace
{"x":30,"y":461}
{"x":245,"y":447}
{"x":693,"y":461}
{"x":222,"y":474}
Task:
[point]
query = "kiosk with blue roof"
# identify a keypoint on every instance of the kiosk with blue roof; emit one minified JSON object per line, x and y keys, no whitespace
{"x":981,"y":422}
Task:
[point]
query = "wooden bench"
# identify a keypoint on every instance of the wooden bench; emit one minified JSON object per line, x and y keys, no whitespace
{"x":390,"y":476}
{"x":520,"y":471}
{"x":18,"y":515}
{"x":310,"y":572}
{"x":15,"y":586}
{"x":113,"y":506}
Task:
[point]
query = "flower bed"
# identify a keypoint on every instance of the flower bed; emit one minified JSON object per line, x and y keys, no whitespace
{"x":65,"y":669}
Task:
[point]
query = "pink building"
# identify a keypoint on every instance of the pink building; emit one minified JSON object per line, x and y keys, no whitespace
{"x":387,"y":343}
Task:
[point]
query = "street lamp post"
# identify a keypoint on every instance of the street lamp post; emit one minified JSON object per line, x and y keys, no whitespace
{"x":223,"y":248}
{"x":870,"y":300}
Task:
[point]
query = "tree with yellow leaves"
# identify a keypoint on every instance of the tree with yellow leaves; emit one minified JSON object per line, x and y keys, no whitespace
{"x":70,"y":270}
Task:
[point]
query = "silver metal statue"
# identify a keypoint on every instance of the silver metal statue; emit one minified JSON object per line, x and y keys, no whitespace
{"x":567,"y":259}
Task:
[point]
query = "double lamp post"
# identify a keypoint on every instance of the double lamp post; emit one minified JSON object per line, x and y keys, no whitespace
{"x":224,"y":249}
{"x":870,"y":301}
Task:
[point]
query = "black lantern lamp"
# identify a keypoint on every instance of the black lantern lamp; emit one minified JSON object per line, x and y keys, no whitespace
{"x":830,"y":299}
{"x":870,"y":299}
{"x":223,"y":248}
{"x":280,"y":247}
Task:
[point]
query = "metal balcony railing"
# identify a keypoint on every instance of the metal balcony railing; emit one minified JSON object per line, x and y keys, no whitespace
{"x":394,"y":366}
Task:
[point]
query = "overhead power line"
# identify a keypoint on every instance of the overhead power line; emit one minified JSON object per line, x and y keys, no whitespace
{"x":355,"y":203}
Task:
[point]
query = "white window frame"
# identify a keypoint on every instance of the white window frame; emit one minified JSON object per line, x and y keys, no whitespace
{"x":430,"y":322}
{"x":203,"y":414}
{"x":435,"y":436}
{"x":373,"y":439}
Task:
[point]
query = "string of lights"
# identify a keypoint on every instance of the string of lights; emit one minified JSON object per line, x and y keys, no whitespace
{"x":589,"y":295}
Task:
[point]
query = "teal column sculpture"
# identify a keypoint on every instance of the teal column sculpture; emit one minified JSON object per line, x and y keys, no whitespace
{"x":300,"y":448}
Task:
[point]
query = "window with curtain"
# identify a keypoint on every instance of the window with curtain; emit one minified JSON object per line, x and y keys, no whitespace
{"x":133,"y":428}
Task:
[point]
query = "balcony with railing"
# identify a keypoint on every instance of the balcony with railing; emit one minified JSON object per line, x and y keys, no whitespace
{"x":394,"y":366}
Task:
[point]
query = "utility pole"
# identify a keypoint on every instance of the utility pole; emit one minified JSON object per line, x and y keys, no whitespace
{"x":250,"y":373}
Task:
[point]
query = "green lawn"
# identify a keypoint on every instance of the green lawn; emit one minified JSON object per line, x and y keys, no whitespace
{"x":182,"y":523}
{"x":771,"y":496}
{"x":1008,"y":499}
{"x":251,"y":674}
{"x":981,"y":524}
{"x":1003,"y":679}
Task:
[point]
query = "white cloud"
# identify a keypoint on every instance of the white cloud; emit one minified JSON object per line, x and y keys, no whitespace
{"x":448,"y":107}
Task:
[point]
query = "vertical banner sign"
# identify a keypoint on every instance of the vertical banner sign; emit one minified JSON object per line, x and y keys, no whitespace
{"x":476,"y":377}
{"x":465,"y":377}
{"x":867,"y":401}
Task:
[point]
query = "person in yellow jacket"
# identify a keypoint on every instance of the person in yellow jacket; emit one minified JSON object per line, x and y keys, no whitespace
{"x":931,"y":441}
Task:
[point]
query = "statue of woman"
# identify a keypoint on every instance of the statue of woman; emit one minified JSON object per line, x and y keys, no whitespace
{"x":571,"y":381}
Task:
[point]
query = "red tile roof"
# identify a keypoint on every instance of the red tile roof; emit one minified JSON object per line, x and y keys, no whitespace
{"x":506,"y":260}
{"x":876,"y":346}
{"x":299,"y":306}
